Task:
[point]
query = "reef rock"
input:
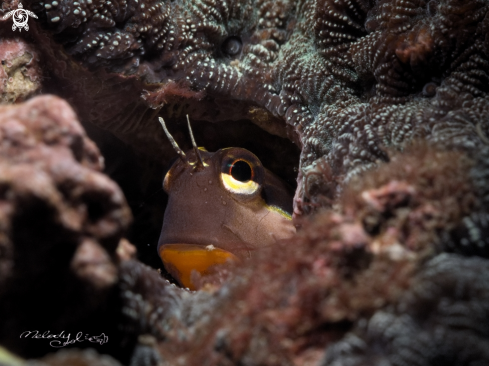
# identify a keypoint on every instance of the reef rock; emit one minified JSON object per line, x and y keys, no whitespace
{"x":61,"y":221}
{"x":20,"y":72}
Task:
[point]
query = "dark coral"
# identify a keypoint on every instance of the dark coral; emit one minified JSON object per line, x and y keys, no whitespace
{"x":419,"y":199}
{"x":149,"y":302}
{"x":351,"y":77}
{"x":471,"y":236}
{"x":442,"y":319}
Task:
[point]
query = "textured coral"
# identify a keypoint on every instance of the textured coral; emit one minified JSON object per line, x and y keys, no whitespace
{"x":61,"y":222}
{"x":419,"y":80}
{"x":20,"y":73}
{"x":148,"y":300}
{"x":423,"y":198}
{"x":75,"y":358}
{"x":373,"y":267}
{"x":350,"y":76}
{"x":442,"y":319}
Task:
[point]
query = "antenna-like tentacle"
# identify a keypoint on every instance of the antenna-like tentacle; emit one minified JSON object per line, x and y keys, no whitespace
{"x":196,"y":149}
{"x":173,"y":142}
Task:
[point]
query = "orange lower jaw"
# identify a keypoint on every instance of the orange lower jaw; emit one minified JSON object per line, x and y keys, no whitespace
{"x":181,"y":259}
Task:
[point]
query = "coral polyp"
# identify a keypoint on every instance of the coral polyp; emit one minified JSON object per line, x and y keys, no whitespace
{"x":349,"y":76}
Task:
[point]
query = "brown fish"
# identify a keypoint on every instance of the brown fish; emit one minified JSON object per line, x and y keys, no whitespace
{"x":221,"y":206}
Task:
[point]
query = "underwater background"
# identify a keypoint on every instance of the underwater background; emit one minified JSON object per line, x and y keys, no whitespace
{"x":374,"y":112}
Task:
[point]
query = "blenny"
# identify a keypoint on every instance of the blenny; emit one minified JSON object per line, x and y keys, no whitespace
{"x":222,"y":206}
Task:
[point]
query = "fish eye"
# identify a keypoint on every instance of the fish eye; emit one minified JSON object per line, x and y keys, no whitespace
{"x":242,"y":174}
{"x":241,"y":171}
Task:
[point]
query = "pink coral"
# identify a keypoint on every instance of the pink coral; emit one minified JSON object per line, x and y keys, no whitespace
{"x":61,"y":218}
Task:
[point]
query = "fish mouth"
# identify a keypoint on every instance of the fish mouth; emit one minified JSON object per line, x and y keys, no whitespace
{"x":180,"y":260}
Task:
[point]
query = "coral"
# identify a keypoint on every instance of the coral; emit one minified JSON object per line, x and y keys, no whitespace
{"x":365,"y":283}
{"x":471,"y":236}
{"x":351,"y":77}
{"x":427,"y":197}
{"x":440,"y":320}
{"x":416,"y":200}
{"x":307,"y":295}
{"x":149,"y":302}
{"x":20,"y":73}
{"x":61,"y":222}
{"x":75,"y":358}
{"x":419,"y":81}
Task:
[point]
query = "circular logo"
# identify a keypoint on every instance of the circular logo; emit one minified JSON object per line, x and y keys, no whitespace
{"x":20,"y":17}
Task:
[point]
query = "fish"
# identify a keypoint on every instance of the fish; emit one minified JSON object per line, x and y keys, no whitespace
{"x":222,"y":206}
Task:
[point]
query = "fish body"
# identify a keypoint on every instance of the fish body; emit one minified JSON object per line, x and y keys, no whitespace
{"x":208,"y":206}
{"x":221,"y":206}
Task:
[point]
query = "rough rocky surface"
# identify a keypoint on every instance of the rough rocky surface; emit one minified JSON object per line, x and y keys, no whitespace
{"x":20,"y":72}
{"x":61,"y":221}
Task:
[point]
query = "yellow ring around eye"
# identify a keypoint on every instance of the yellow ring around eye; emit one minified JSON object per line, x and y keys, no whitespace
{"x":235,"y":186}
